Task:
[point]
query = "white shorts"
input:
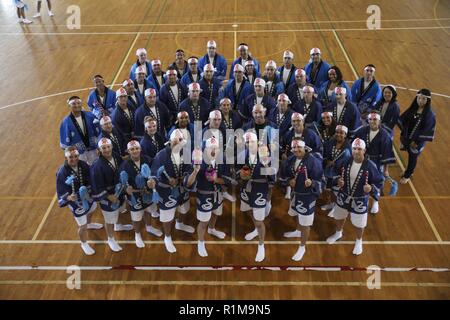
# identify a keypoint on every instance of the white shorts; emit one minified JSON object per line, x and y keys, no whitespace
{"x":111,"y":217}
{"x":166,"y":215}
{"x":20,"y":5}
{"x":81,"y":221}
{"x":89,"y":156}
{"x":206,"y":216}
{"x":292,"y":212}
{"x":136,"y":216}
{"x":358,"y":220}
{"x":245,"y":207}
{"x":306,"y":220}
{"x":184,"y":208}
{"x":259,"y":214}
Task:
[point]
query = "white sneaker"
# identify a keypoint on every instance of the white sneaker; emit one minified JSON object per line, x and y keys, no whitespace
{"x":261,"y":254}
{"x":374,"y":208}
{"x":169,"y":245}
{"x":216,"y":233}
{"x":50,"y":14}
{"x":94,"y":226}
{"x":114,"y":245}
{"x":152,"y":230}
{"x":358,"y":249}
{"x":293,"y":234}
{"x":122,"y":227}
{"x":26,"y":21}
{"x":87,"y":249}
{"x":326,"y":207}
{"x":299,"y":254}
{"x":139,"y":242}
{"x":184,"y":227}
{"x":252,"y":235}
{"x":37,"y":15}
{"x":228,"y":196}
{"x":201,"y":249}
{"x":288,"y":193}
{"x":334,"y":237}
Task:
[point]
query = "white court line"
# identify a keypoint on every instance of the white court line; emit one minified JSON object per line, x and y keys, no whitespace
{"x":216,"y":31}
{"x":416,"y":194}
{"x":228,"y":23}
{"x":227,"y":242}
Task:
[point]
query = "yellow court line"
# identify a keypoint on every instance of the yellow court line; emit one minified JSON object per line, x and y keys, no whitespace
{"x":422,"y":206}
{"x":229,"y":23}
{"x":436,"y":18}
{"x":45,"y":217}
{"x":218,"y":31}
{"x":229,"y":283}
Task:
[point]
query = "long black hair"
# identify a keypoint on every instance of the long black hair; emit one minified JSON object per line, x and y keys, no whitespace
{"x":415,"y":106}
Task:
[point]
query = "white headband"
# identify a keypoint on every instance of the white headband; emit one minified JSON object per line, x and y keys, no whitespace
{"x":259,"y":82}
{"x":250,"y":137}
{"x":297,"y":116}
{"x":300,"y":71}
{"x":105,"y":120}
{"x":288,"y":54}
{"x":259,"y":106}
{"x":374,"y":115}
{"x":156,"y":62}
{"x":140,"y":69}
{"x":72,"y":101}
{"x":215,"y":114}
{"x":208,"y":67}
{"x":121,"y":92}
{"x":242,"y":46}
{"x":149,"y":92}
{"x":140,"y":50}
{"x":133,"y":143}
{"x":238,"y":67}
{"x":314,"y":51}
{"x":308,"y":89}
{"x":342,"y":127}
{"x":283,"y":97}
{"x":212,"y":143}
{"x":271,"y":63}
{"x":127,"y":82}
{"x":171,"y":71}
{"x":297,"y":143}
{"x":340,"y":90}
{"x":359,"y":143}
{"x":192,"y":60}
{"x":104,"y":142}
{"x":225,"y":99}
{"x":68,"y":153}
{"x":194,"y":86}
{"x":327,"y":113}
{"x":211,"y":43}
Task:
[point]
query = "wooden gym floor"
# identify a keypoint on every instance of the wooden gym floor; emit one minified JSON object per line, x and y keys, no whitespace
{"x":44,"y":63}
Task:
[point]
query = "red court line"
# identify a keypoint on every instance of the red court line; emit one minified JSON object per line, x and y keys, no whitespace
{"x":225,"y":268}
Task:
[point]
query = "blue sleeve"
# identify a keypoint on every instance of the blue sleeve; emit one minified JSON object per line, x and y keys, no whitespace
{"x":64,"y":135}
{"x":222,"y":64}
{"x":232,"y":68}
{"x":428,"y":129}
{"x":62,"y":189}
{"x":354,"y":91}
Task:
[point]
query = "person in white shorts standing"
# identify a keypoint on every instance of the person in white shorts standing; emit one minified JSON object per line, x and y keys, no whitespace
{"x":71,"y":178}
{"x":358,"y":177}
